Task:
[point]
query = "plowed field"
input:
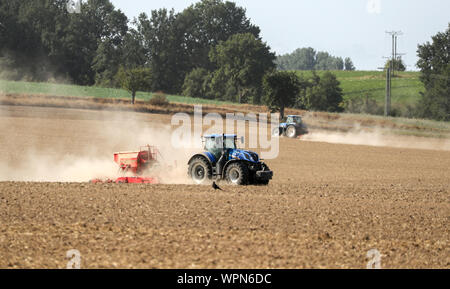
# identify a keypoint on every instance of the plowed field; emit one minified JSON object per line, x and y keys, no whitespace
{"x":328,"y":205}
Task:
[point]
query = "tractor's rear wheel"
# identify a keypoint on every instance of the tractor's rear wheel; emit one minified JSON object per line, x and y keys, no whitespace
{"x":291,"y":131}
{"x":237,"y":174}
{"x":200,"y":170}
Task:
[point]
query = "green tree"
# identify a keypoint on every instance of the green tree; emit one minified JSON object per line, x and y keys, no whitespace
{"x":398,"y":65}
{"x":300,"y":59}
{"x":134,"y":80}
{"x":308,"y":59}
{"x":305,"y":84}
{"x":326,"y":95}
{"x":324,"y":61}
{"x":175,"y":44}
{"x":363,"y":104}
{"x":133,"y":52}
{"x":205,"y":24}
{"x":348,"y":63}
{"x":40,"y":39}
{"x":108,"y":55}
{"x":162,"y":49}
{"x":23,"y":25}
{"x":338,"y":63}
{"x":434,"y":63}
{"x":280,"y":90}
{"x":244,"y":59}
{"x":196,"y":83}
{"x":79,"y":36}
{"x":220,"y":87}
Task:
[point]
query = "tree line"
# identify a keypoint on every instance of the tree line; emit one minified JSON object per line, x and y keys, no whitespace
{"x":210,"y":49}
{"x":39,"y":38}
{"x":309,"y":59}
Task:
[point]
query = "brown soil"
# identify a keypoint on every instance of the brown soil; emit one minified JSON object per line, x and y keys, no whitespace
{"x":328,"y":204}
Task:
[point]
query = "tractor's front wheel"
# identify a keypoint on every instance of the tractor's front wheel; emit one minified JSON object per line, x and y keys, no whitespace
{"x":291,"y":131}
{"x":200,"y":170}
{"x":237,"y":174}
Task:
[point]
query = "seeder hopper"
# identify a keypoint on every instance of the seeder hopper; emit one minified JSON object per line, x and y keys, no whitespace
{"x":134,"y":166}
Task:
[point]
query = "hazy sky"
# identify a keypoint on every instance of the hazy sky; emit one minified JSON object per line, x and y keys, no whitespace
{"x":354,"y":28}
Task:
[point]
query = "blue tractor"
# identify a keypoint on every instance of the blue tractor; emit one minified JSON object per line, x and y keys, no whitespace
{"x":292,"y":127}
{"x":222,"y":160}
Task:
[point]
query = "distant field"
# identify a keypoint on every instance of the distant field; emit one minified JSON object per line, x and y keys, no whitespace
{"x":406,"y":87}
{"x":21,"y":87}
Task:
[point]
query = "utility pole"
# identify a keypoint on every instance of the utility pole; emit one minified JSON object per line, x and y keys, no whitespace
{"x":395,"y":46}
{"x":391,"y":70}
{"x":387,"y":102}
{"x":387,"y":99}
{"x":394,"y":35}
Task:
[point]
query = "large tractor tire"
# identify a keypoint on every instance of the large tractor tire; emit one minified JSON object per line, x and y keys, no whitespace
{"x":200,"y":170}
{"x":276,"y":131}
{"x":291,"y":131}
{"x":237,"y":174}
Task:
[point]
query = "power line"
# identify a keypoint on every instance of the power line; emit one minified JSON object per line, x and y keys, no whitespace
{"x":395,"y":54}
{"x":391,"y":69}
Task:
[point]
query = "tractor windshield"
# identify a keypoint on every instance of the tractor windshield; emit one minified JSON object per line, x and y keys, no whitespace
{"x":294,"y":119}
{"x":214,"y":145}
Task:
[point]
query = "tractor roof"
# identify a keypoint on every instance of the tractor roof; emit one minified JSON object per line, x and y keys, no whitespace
{"x":220,"y":135}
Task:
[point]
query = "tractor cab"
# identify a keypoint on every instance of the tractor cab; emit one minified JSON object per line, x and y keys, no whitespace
{"x":294,"y":119}
{"x":217,"y":143}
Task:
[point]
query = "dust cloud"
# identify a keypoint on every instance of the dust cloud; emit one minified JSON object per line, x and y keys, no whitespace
{"x":82,"y":149}
{"x":377,"y":138}
{"x":44,"y":168}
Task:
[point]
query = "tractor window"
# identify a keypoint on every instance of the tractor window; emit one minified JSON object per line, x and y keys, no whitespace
{"x":294,"y":119}
{"x":213,"y":146}
{"x":210,"y":144}
{"x":297,"y":120}
{"x":230,"y":143}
